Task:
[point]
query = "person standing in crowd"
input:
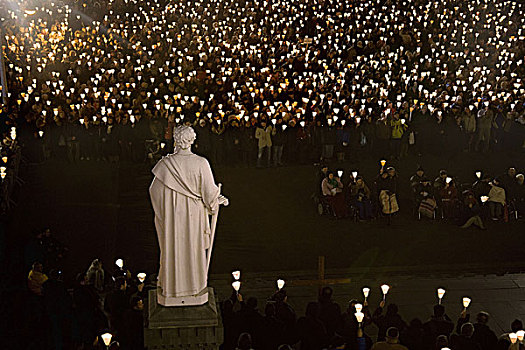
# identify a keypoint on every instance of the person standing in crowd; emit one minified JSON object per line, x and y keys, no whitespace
{"x":312,"y":332}
{"x":391,"y":342}
{"x":330,"y":312}
{"x":439,"y":324}
{"x":398,"y":128}
{"x":95,"y":275}
{"x":463,"y":340}
{"x":115,"y":304}
{"x":385,"y":321}
{"x":469,"y":125}
{"x":202,"y":143}
{"x":133,"y":336}
{"x":278,"y":141}
{"x":88,"y":317}
{"x":36,"y":279}
{"x":485,"y":121}
{"x":482,"y":335}
{"x":57,"y":303}
{"x":263,"y":134}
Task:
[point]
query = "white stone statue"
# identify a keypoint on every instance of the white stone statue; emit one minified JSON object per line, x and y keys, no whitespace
{"x":184,"y":195}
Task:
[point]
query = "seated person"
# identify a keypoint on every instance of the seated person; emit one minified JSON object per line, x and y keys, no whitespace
{"x":439,"y":183}
{"x":470,"y":211}
{"x":416,"y":179}
{"x":449,"y":198}
{"x":425,"y":202}
{"x":387,"y":189}
{"x":481,"y":187}
{"x":332,"y":190}
{"x":360,"y":197}
{"x":496,"y":200}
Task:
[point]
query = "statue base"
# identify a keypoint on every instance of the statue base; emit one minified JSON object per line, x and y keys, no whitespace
{"x":191,"y":300}
{"x":183,"y":327}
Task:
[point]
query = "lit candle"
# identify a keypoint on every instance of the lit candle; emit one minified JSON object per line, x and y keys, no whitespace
{"x":385,"y":288}
{"x":236,"y":286}
{"x":119,"y":263}
{"x":441,"y":293}
{"x":466,"y":302}
{"x":521,"y":335}
{"x":141,"y":277}
{"x":236,"y":275}
{"x":366,"y":292}
{"x":359,"y":316}
{"x":280,"y":284}
{"x":358,"y":307}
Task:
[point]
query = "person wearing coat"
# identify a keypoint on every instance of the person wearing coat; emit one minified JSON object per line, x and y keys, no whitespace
{"x":263,"y":134}
{"x":496,"y":200}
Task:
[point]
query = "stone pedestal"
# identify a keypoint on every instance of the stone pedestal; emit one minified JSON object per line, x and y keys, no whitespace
{"x":183,"y":327}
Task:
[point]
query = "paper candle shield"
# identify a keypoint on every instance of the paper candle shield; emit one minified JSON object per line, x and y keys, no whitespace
{"x":385,"y":288}
{"x":106,"y":338}
{"x":141,"y":276}
{"x":236,"y":285}
{"x":466,"y":302}
{"x":280,"y":284}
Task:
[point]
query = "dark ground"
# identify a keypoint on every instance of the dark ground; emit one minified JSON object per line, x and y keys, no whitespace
{"x":102,"y":210}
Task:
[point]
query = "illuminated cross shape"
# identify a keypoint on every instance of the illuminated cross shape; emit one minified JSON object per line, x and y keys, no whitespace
{"x":321,"y":281}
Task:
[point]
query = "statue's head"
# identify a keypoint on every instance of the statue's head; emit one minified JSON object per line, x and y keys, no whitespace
{"x":184,"y":136}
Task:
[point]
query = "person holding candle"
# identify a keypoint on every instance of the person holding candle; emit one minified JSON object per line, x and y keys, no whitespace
{"x":463,"y":340}
{"x":387,"y":185}
{"x":439,"y":324}
{"x":497,"y":200}
{"x":449,"y":198}
{"x":482,"y":334}
{"x":391,"y":318}
{"x":503,"y":340}
{"x":360,"y":196}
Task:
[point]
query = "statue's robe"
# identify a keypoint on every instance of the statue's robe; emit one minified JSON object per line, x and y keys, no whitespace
{"x":183,"y":194}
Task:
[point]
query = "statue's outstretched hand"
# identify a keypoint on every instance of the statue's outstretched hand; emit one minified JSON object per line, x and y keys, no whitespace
{"x":223,"y":201}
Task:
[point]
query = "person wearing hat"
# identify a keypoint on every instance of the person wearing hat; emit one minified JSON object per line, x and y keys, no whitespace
{"x":416,"y":179}
{"x":391,"y":342}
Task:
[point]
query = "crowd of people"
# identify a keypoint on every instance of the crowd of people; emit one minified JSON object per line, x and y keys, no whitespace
{"x":75,"y":316}
{"x":112,"y":301}
{"x":274,"y":82}
{"x":326,"y":325}
{"x":266,"y":84}
{"x":346,"y":194}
